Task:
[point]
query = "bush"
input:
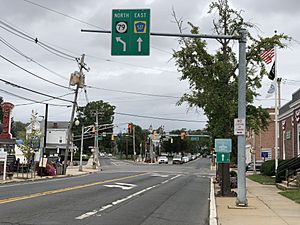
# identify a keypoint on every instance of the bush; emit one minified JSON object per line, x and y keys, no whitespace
{"x":268,"y":168}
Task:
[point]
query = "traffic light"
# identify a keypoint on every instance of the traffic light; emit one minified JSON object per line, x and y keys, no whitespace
{"x":93,"y":129}
{"x":129,"y":126}
{"x":112,"y":137}
{"x":182,"y":135}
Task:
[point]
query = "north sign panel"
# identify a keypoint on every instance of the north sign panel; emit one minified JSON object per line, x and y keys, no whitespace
{"x":130,"y":32}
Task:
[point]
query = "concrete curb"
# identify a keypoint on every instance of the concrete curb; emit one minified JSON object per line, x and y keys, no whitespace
{"x":213,"y":209}
{"x":45,"y":178}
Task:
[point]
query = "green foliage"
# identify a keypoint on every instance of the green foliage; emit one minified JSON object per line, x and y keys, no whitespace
{"x":268,"y":168}
{"x":293,"y":195}
{"x":262,"y":179}
{"x":213,"y":77}
{"x":30,"y":144}
{"x":86,"y":116}
{"x":18,"y":129}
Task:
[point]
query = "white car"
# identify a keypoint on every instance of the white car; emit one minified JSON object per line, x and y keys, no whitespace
{"x":185,"y":159}
{"x":163,"y":159}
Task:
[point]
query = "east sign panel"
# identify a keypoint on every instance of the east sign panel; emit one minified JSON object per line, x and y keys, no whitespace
{"x":130,"y":32}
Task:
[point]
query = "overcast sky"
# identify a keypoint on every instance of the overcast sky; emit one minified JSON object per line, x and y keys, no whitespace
{"x":154,"y":74}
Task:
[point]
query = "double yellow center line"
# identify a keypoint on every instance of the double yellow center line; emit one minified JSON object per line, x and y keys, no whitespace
{"x":35,"y":195}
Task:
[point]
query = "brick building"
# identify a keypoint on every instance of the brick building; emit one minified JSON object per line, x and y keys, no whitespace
{"x":289,"y":128}
{"x":264,"y":141}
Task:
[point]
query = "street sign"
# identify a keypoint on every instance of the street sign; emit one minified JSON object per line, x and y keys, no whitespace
{"x":195,"y":138}
{"x":100,"y":138}
{"x":223,"y":157}
{"x":130,"y":32}
{"x":239,"y":127}
{"x":223,"y":145}
{"x":264,"y":154}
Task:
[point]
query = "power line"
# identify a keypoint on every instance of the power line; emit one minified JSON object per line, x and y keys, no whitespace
{"x":133,"y":92}
{"x":160,"y":118}
{"x":28,"y":99}
{"x":33,"y":74}
{"x":63,"y":14}
{"x":46,"y":100}
{"x":5,"y":42}
{"x":36,"y":92}
{"x":27,"y":37}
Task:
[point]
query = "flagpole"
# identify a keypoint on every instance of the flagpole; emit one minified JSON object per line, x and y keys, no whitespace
{"x":276,"y":111}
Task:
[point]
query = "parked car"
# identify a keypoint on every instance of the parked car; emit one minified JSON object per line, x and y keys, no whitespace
{"x":177,"y":159}
{"x":185,"y":159}
{"x":163,"y":159}
{"x":194,"y":157}
{"x":250,"y":166}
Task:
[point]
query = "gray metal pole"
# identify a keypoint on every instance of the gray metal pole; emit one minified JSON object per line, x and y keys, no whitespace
{"x":97,"y":143}
{"x":81,"y":148}
{"x":69,"y":132}
{"x":241,"y":196}
{"x":133,"y":142}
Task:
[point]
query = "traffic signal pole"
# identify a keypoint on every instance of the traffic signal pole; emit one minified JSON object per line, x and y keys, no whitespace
{"x":241,"y":198}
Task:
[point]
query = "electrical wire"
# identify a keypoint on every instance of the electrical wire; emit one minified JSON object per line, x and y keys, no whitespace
{"x":28,"y":99}
{"x":36,"y":92}
{"x":33,"y":74}
{"x":63,"y":14}
{"x":133,"y":92}
{"x":46,"y":100}
{"x":5,"y":42}
{"x":160,"y":118}
{"x":27,"y":37}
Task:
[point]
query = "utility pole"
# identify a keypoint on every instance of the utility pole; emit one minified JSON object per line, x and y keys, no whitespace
{"x":133,"y":142}
{"x":78,"y":83}
{"x":81,"y":147}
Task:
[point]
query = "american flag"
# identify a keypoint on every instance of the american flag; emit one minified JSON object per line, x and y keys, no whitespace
{"x":268,"y":55}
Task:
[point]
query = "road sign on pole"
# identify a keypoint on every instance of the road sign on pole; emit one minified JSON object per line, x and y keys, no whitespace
{"x":130,"y":32}
{"x":223,"y":157}
{"x":223,"y":145}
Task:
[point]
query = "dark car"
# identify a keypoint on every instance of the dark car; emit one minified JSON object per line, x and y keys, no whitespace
{"x":250,"y":166}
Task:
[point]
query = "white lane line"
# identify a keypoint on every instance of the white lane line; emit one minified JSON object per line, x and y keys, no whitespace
{"x":159,"y":175}
{"x":125,"y":184}
{"x":88,"y":214}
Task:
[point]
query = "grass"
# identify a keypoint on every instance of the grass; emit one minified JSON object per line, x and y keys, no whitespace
{"x":293,"y":195}
{"x":262,"y":179}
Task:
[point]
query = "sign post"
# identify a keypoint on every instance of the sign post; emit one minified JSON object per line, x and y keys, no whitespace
{"x":130,"y":32}
{"x":223,"y":148}
{"x":3,"y":158}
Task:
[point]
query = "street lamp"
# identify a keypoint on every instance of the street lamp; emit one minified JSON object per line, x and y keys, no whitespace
{"x":77,"y":122}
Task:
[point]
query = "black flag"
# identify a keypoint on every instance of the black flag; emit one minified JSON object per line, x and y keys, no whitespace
{"x":272,"y":72}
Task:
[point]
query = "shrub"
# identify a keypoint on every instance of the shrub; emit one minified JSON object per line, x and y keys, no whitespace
{"x":268,"y":168}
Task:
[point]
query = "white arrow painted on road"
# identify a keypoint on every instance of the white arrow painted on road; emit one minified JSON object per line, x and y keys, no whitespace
{"x":123,"y":186}
{"x":118,"y":39}
{"x":139,"y":41}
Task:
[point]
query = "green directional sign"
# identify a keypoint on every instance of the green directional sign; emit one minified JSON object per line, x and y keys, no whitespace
{"x":100,"y":138}
{"x":223,"y":157}
{"x":130,"y":33}
{"x":195,"y":139}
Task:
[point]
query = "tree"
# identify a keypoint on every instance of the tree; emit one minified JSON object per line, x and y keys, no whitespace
{"x":213,"y":76}
{"x":18,"y":129}
{"x":32,"y":140}
{"x":87,"y":116}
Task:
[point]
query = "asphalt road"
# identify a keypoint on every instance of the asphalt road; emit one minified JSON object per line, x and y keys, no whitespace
{"x":123,"y":193}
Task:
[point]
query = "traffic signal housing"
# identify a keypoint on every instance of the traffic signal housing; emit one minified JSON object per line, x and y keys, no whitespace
{"x":182,"y":135}
{"x":129,"y":127}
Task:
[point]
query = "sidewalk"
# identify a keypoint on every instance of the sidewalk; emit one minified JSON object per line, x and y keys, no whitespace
{"x":71,"y":171}
{"x":265,"y":206}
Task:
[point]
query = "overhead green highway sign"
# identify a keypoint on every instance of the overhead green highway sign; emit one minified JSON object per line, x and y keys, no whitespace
{"x":130,"y":33}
